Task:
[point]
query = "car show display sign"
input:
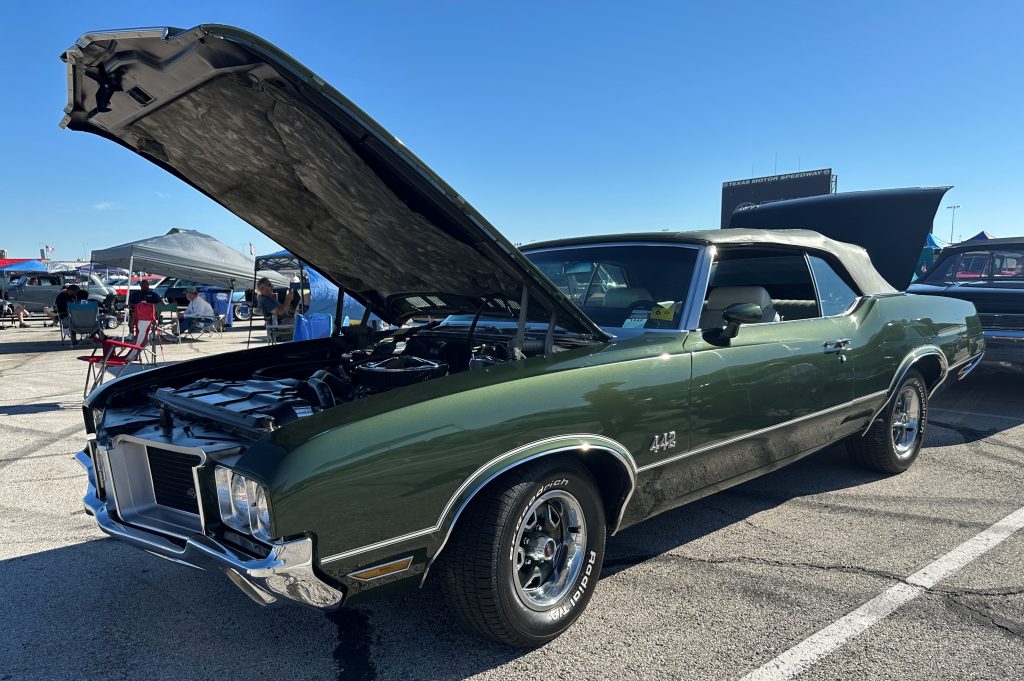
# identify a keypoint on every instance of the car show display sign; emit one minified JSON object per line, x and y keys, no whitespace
{"x":757,"y":190}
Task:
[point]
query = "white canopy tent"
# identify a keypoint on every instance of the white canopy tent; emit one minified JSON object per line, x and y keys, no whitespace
{"x":185,"y":254}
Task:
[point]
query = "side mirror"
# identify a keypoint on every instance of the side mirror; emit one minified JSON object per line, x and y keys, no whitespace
{"x":740,"y":313}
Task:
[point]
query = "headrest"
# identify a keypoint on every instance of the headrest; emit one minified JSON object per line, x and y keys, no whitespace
{"x":722,"y":297}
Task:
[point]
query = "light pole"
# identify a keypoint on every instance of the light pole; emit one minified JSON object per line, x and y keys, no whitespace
{"x":952,"y":221}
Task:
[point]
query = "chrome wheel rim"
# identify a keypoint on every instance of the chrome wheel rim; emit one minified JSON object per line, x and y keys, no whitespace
{"x":906,"y":421}
{"x":548,"y":553}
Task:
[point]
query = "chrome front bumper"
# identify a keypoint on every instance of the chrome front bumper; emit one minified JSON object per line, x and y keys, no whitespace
{"x":285,"y":573}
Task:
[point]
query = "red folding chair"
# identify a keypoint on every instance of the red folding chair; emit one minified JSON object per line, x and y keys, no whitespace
{"x":116,"y":354}
{"x":145,"y":318}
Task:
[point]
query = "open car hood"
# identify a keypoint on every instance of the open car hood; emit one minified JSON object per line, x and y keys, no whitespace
{"x":256,"y":131}
{"x":890,"y":224}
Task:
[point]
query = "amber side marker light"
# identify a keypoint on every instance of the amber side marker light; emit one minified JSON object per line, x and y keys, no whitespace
{"x":384,"y":570}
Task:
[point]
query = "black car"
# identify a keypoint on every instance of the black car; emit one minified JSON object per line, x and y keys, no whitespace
{"x":990,"y":274}
{"x":173,"y":290}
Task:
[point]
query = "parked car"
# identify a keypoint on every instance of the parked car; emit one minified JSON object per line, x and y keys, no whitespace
{"x":241,"y":305}
{"x":989,"y":274}
{"x":154,"y":280}
{"x":173,"y":290}
{"x":36,"y":290}
{"x":572,"y":391}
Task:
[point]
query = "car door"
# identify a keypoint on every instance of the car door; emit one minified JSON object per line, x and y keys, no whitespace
{"x":36,"y":296}
{"x":779,"y":387}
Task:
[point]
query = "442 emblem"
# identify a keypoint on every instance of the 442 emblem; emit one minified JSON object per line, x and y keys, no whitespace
{"x":664,"y":441}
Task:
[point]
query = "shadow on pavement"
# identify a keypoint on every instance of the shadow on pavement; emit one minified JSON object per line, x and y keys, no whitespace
{"x":20,"y":409}
{"x":1000,"y":392}
{"x":135,"y":615}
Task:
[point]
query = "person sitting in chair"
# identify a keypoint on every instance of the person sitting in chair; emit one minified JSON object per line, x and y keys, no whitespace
{"x":64,"y":298}
{"x":19,"y":314}
{"x":267,"y":302}
{"x":197,"y":312}
{"x":141,"y":295}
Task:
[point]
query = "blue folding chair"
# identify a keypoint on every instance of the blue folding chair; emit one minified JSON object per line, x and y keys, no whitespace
{"x":84,"y":320}
{"x":316,"y":325}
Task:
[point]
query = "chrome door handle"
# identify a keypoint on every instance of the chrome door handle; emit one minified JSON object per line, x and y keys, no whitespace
{"x":837,"y":345}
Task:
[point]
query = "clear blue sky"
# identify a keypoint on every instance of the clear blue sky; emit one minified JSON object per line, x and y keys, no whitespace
{"x":556,"y":119}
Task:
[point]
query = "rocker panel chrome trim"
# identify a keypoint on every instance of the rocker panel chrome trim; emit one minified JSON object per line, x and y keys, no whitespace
{"x":762,"y":431}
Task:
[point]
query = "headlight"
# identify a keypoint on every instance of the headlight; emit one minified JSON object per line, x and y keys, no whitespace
{"x":243,"y":503}
{"x":259,"y":513}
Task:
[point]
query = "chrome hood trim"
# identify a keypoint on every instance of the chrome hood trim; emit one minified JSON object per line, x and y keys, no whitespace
{"x":250,"y":127}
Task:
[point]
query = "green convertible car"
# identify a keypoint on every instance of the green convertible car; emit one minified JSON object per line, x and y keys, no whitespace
{"x":544,"y":399}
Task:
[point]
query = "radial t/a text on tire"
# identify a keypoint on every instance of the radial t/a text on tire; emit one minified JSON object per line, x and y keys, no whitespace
{"x":893,"y":441}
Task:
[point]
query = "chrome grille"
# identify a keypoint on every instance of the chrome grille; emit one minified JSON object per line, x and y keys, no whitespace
{"x":1011,"y":322}
{"x":153,"y":485}
{"x":173,"y":485}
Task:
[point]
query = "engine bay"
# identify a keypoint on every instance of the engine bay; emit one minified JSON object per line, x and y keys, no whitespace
{"x":262,"y":398}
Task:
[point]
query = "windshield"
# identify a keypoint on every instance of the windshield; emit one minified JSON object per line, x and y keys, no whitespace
{"x":981,"y":265}
{"x":634,"y":286}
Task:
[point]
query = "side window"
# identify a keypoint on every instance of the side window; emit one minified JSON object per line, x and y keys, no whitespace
{"x":974,"y":266}
{"x":776,"y":280}
{"x":834,"y":295}
{"x":1008,"y":265}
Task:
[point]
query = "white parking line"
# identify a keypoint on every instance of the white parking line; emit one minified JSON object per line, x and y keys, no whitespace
{"x":805,"y":654}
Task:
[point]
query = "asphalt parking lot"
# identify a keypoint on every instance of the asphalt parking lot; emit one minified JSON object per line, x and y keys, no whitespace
{"x":716,"y":589}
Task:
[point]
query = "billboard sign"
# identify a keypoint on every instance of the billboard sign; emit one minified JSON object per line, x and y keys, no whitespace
{"x":758,"y":190}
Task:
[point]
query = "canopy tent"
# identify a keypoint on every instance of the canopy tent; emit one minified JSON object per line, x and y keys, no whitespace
{"x":26,"y":266}
{"x":323,"y":294}
{"x":107,"y":270}
{"x":981,"y":236}
{"x":927,"y":257}
{"x":186,"y":254}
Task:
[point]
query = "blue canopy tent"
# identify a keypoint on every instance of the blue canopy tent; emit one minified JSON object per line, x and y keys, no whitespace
{"x":27,"y":266}
{"x":927,"y":257}
{"x":323,"y":295}
{"x":981,"y":236}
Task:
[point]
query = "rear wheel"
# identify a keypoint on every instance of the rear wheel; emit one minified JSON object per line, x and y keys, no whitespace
{"x":241,"y":312}
{"x":525,"y":556}
{"x":894,"y":439}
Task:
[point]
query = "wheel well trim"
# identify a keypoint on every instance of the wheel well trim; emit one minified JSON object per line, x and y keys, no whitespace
{"x":569,"y":443}
{"x":911,"y":359}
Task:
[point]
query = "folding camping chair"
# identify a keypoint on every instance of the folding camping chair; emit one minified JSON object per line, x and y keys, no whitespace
{"x":64,"y":328}
{"x":84,"y":320}
{"x":114,"y":353}
{"x":315,"y":325}
{"x":276,"y":331}
{"x":201,"y":326}
{"x":145,"y":318}
{"x":167,"y":320}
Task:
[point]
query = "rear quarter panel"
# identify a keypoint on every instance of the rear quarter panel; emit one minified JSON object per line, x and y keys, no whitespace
{"x":890,"y":328}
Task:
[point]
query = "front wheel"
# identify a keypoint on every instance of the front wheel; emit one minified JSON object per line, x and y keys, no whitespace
{"x":525,"y":556}
{"x":894,"y":440}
